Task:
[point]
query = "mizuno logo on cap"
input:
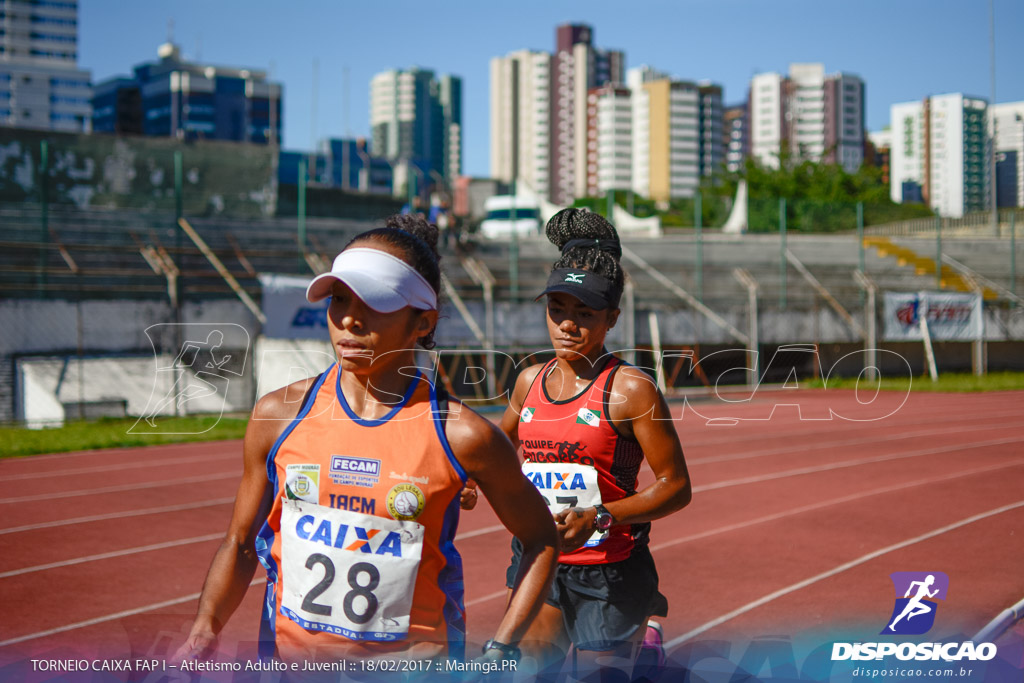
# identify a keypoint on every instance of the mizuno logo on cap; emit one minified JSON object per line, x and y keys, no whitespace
{"x":575,"y":277}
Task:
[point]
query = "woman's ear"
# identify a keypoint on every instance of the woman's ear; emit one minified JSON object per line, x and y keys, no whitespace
{"x":613,"y":317}
{"x":426,"y":323}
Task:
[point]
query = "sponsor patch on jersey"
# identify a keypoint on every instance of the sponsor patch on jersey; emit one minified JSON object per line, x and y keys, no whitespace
{"x":405,"y":502}
{"x":302,"y":482}
{"x":526,"y":415}
{"x":350,"y":470}
{"x":586,"y":416}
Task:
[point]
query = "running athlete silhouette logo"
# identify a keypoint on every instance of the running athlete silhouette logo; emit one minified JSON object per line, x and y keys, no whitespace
{"x":197,"y":379}
{"x":914,"y":613}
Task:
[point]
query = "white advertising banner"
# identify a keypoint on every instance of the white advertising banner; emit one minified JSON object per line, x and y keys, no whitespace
{"x":289,"y":315}
{"x":951,"y":317}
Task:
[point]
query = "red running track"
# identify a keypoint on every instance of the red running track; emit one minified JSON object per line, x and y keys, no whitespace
{"x":794,"y":529}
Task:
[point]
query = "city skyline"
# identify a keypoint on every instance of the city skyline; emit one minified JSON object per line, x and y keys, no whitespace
{"x":342,"y":42}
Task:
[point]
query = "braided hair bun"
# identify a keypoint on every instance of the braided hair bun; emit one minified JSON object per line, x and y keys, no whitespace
{"x":600,"y":257}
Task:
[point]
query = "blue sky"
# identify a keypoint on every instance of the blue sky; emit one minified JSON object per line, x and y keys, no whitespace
{"x":903,"y":49}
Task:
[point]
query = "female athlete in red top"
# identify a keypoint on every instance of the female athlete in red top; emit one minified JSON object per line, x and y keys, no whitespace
{"x":585,"y":422}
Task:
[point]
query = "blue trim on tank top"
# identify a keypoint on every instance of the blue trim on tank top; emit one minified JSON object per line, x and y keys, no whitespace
{"x":265,"y":537}
{"x":435,"y":414}
{"x":450,"y":581}
{"x":375,"y":422}
{"x":310,"y":400}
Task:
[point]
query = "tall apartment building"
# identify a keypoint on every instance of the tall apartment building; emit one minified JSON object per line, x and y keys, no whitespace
{"x":539,"y":112}
{"x":576,"y":67}
{"x":710,"y":114}
{"x":609,"y":144}
{"x":521,"y":119}
{"x":174,"y":97}
{"x":655,"y":135}
{"x":667,"y":134}
{"x":417,"y":116}
{"x":809,"y":115}
{"x":1009,"y":148}
{"x":41,"y":85}
{"x":938,"y":154}
{"x":735,"y":137}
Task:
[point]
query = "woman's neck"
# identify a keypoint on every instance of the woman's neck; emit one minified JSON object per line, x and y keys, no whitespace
{"x":584,"y":366}
{"x":373,"y":393}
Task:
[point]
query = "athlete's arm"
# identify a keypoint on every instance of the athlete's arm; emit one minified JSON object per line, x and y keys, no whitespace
{"x":235,"y":561}
{"x":488,"y":457}
{"x":510,"y":419}
{"x":637,"y":408}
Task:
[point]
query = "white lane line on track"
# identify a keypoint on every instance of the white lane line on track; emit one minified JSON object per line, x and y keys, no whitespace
{"x":118,"y":515}
{"x":819,"y":445}
{"x":215,"y":447}
{"x":838,"y":570}
{"x":48,"y":497}
{"x":809,"y":508}
{"x":173,"y":544}
{"x":487,"y":598}
{"x":852,"y":463}
{"x":834,"y":501}
{"x":110,"y":555}
{"x":498,"y":594}
{"x":833,"y":426}
{"x":479,"y":532}
{"x":117,"y":468}
{"x":110,"y":617}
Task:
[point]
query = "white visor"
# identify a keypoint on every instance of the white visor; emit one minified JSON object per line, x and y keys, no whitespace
{"x":384,"y":282}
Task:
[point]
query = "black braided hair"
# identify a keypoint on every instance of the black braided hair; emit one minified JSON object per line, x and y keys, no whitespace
{"x":570,"y":224}
{"x":417,"y":240}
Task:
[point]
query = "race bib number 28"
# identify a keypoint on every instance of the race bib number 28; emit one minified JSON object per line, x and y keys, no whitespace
{"x":564,"y":486}
{"x":348,"y":573}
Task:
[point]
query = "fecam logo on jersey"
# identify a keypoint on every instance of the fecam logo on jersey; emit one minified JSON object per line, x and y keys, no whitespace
{"x":347,"y":469}
{"x":527,"y":415}
{"x":914,"y":612}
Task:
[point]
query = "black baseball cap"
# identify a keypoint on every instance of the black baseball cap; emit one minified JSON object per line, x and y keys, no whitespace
{"x":595,"y":291}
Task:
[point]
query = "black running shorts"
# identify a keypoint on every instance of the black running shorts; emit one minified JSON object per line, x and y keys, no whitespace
{"x":602,"y":605}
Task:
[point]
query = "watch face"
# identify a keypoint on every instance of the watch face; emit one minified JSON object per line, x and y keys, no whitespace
{"x":603,"y":521}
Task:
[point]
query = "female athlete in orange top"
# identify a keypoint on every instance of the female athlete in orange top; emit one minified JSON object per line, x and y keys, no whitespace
{"x":586,"y":421}
{"x":352,"y":481}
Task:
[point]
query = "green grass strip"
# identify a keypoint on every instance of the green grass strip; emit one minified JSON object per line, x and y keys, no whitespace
{"x":114,"y":433}
{"x":949,"y":382}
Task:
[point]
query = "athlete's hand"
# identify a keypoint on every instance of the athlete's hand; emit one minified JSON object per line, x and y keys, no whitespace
{"x":575,"y":526}
{"x":469,"y":495}
{"x":199,"y":645}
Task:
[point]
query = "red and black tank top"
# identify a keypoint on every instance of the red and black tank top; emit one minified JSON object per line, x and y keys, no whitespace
{"x":576,"y":457}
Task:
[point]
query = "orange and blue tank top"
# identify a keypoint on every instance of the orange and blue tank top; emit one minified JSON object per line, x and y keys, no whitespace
{"x":359,"y":543}
{"x":576,"y":457}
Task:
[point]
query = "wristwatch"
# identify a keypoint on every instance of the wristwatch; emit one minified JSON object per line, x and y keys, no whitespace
{"x":603,"y":519}
{"x":508,"y":651}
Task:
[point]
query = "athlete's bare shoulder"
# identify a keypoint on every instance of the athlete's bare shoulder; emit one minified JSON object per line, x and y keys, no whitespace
{"x":633,"y":393}
{"x":527,"y":376}
{"x":283,"y":403}
{"x":272,"y":415}
{"x":475,"y":440}
{"x":633,"y":382}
